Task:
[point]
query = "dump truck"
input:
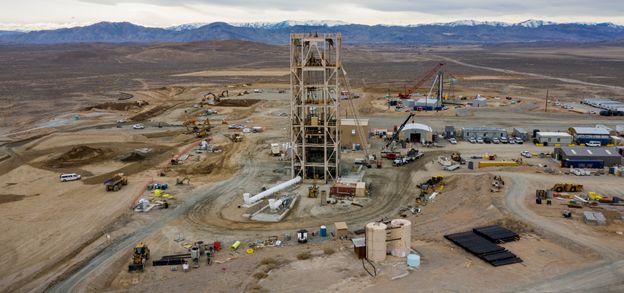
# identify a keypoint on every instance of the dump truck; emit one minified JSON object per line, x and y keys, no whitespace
{"x":567,"y":187}
{"x":115,"y":183}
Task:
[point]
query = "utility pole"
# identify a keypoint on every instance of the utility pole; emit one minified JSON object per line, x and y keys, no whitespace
{"x":546,"y":107}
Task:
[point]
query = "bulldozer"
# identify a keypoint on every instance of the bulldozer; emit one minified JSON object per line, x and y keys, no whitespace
{"x":567,"y":187}
{"x":140,"y":256}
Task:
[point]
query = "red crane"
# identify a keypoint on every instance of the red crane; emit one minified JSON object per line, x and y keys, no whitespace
{"x":427,"y":76}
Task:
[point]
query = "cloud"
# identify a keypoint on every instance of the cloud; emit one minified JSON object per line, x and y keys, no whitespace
{"x":172,"y":12}
{"x":439,"y":7}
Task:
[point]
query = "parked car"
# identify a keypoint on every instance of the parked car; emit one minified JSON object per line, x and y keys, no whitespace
{"x":526,"y":154}
{"x":452,"y":140}
{"x":593,"y":144}
{"x":399,"y":161}
{"x":504,"y":140}
{"x":495,"y":140}
{"x":138,"y":126}
{"x":519,"y":140}
{"x":487,"y":140}
{"x":69,"y":177}
{"x":479,"y":140}
{"x":472,"y":140}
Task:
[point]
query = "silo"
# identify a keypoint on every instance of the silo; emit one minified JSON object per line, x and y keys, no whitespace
{"x":376,"y":241}
{"x":400,"y":237}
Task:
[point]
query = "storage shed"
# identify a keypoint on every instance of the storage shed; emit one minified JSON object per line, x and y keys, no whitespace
{"x":491,"y":132}
{"x":586,"y":157}
{"x":583,"y":135}
{"x":416,"y":132}
{"x":341,"y":230}
{"x":479,"y":101}
{"x":349,"y":135}
{"x":553,"y":138}
{"x":594,"y":218}
{"x":428,"y":104}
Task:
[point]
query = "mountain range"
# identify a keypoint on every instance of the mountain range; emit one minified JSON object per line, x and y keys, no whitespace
{"x":458,"y":32}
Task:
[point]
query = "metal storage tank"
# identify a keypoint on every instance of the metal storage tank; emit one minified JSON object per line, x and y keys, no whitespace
{"x":400,"y":238}
{"x":376,"y":241}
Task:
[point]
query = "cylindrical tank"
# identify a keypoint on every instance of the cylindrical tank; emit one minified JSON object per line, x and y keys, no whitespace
{"x":195,"y":252}
{"x":323,"y":231}
{"x":376,"y":241}
{"x":401,"y":236}
{"x":236,"y":245}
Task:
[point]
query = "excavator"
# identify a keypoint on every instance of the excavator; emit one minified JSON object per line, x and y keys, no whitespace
{"x":140,"y":256}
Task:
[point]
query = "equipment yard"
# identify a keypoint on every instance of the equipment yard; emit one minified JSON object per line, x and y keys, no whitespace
{"x":200,"y":167}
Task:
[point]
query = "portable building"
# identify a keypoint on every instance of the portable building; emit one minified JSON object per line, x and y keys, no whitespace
{"x":521,"y":133}
{"x":491,"y":132}
{"x":349,"y":133}
{"x":553,"y":138}
{"x":583,"y":135}
{"x":428,"y":104}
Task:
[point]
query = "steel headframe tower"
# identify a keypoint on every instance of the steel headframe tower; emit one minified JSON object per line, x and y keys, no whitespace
{"x":314,"y":105}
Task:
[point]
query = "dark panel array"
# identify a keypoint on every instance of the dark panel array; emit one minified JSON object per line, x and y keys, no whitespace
{"x":483,"y":248}
{"x":497,"y":234}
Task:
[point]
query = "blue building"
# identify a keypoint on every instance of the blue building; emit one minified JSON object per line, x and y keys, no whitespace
{"x":583,"y":135}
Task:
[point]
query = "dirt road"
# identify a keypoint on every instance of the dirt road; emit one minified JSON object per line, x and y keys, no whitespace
{"x":606,"y":276}
{"x":535,"y":75}
{"x":105,"y":257}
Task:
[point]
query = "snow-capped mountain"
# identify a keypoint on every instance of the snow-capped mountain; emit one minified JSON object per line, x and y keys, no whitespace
{"x":457,"y":32}
{"x":187,"y":26}
{"x":466,"y":22}
{"x":533,"y":23}
{"x":289,"y":23}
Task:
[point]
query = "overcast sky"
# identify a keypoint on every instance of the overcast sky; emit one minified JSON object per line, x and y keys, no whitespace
{"x":161,"y":13}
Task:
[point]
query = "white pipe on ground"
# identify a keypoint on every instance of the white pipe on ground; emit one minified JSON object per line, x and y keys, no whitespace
{"x":274,"y":189}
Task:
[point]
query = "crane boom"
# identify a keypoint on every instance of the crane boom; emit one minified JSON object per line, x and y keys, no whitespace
{"x":420,"y":82}
{"x":395,"y":135}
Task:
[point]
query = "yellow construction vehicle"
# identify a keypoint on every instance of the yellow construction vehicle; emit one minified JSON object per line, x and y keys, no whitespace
{"x":313,"y":190}
{"x":567,"y":187}
{"x":431,"y":183}
{"x":140,"y":256}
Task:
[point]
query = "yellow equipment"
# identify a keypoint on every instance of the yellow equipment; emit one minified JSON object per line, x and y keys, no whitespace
{"x":594,"y":196}
{"x":313,"y":191}
{"x":139,"y":257}
{"x":567,"y":187}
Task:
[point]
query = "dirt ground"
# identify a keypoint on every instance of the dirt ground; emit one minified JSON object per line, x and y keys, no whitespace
{"x":75,"y":236}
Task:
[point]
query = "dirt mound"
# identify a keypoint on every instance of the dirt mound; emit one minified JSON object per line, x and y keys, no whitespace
{"x":78,"y":155}
{"x":150,"y":113}
{"x":237,"y":102}
{"x":133,"y":157}
{"x":81,"y":153}
{"x":125,"y":106}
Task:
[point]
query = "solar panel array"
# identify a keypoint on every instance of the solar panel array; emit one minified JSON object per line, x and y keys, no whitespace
{"x":481,"y":242}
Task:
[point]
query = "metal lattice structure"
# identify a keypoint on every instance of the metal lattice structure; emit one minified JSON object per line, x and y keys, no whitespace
{"x":314,"y":105}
